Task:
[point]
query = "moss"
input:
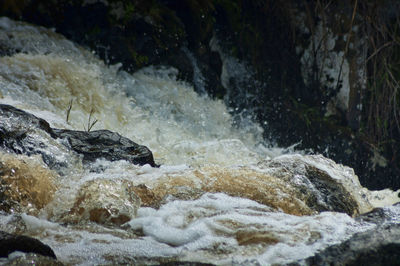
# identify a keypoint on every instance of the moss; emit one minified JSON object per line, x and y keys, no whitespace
{"x":140,"y":60}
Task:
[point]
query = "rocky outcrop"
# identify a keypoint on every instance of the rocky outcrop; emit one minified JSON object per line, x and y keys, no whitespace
{"x":24,"y":133}
{"x":11,"y":242}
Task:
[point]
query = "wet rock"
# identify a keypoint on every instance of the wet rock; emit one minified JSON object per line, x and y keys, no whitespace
{"x":379,"y":245}
{"x":24,"y":133}
{"x":320,"y":182}
{"x":11,"y":242}
{"x":381,"y":216}
{"x":16,"y":122}
{"x":375,"y":247}
{"x":147,"y":196}
{"x":106,"y":144}
{"x":103,"y":201}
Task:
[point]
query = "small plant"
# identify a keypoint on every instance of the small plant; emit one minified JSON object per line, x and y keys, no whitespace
{"x":90,"y":123}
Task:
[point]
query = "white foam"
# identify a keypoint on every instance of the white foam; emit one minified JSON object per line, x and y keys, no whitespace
{"x":35,"y":225}
{"x":191,"y":224}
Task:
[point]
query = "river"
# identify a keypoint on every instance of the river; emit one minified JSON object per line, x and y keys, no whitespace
{"x":214,"y":198}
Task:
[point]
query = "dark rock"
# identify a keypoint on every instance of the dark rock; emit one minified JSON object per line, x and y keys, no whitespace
{"x":377,"y":246}
{"x":16,"y":122}
{"x":24,"y":133}
{"x":376,"y":216}
{"x":106,"y":144}
{"x":10,"y":243}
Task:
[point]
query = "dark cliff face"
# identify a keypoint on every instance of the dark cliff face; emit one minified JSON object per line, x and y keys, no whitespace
{"x":270,"y":38}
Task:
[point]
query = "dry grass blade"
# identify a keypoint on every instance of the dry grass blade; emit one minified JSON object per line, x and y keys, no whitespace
{"x":91,"y":123}
{"x":69,"y":110}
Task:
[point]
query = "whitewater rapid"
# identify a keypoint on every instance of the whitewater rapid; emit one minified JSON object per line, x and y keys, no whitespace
{"x":212,"y":200}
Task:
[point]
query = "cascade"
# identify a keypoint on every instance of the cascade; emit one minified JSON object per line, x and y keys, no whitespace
{"x":220,"y":194}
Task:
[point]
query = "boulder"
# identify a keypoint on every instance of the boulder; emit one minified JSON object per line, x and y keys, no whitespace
{"x":106,"y":144}
{"x":321,"y":183}
{"x":15,"y":123}
{"x":24,"y":133}
{"x":11,"y":242}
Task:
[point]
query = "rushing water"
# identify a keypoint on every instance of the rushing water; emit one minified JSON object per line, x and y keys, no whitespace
{"x":214,"y":199}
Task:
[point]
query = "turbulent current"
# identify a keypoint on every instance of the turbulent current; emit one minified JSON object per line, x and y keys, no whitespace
{"x":220,"y":195}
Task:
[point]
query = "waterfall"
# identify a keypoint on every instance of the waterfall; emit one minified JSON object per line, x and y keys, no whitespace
{"x":220,"y":195}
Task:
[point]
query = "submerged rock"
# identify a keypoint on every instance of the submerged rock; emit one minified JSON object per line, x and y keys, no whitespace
{"x":24,"y":133}
{"x":105,"y":201}
{"x":293,"y":184}
{"x":321,"y":183}
{"x":25,"y":184}
{"x":11,"y":242}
